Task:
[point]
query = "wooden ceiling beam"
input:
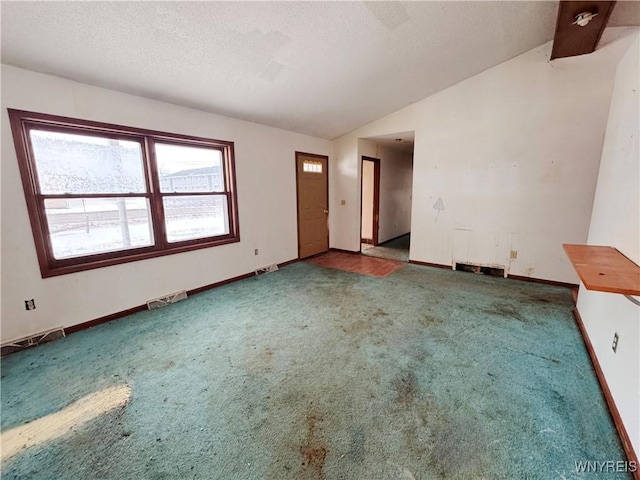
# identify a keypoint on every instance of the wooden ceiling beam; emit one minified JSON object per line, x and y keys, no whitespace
{"x":571,"y":39}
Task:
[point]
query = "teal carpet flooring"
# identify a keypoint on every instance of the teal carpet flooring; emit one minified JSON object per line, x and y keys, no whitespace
{"x":315,"y":373}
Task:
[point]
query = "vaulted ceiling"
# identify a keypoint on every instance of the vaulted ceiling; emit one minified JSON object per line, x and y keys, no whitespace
{"x":320,"y":68}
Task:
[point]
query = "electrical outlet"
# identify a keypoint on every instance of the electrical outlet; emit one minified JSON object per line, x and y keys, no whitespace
{"x":513,"y":255}
{"x":614,"y":346}
{"x":255,"y":252}
{"x":343,"y":202}
{"x":30,"y":304}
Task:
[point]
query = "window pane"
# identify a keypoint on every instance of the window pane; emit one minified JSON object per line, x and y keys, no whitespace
{"x":81,"y":227}
{"x":189,"y":169}
{"x":312,"y":167}
{"x":70,"y":163}
{"x":192,"y":217}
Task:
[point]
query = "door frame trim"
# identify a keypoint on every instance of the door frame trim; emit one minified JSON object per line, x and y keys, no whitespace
{"x":314,"y":155}
{"x":376,"y":197}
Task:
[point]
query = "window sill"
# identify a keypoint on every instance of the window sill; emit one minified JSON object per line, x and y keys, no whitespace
{"x":65,"y":267}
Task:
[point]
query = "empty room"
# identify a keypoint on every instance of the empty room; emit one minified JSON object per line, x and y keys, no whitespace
{"x":320,"y":240}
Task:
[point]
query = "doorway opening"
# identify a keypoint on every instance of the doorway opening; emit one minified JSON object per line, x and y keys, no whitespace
{"x":386,"y":183}
{"x":370,"y":213}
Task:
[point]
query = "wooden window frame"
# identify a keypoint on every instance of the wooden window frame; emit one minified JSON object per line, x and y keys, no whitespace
{"x":23,"y":121}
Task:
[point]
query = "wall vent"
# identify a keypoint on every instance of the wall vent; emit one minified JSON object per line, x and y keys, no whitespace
{"x":492,"y":271}
{"x":268,"y":269}
{"x":166,"y":300}
{"x":32,"y":341}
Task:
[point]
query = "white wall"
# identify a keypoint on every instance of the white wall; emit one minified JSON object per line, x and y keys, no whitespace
{"x":507,"y":159}
{"x":616,"y":222}
{"x":265,"y":165}
{"x":367,"y":199}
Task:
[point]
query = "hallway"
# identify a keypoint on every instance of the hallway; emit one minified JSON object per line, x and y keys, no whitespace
{"x":395,"y":249}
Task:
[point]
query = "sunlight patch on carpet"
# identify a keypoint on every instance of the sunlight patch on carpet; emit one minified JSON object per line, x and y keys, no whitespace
{"x":61,"y":422}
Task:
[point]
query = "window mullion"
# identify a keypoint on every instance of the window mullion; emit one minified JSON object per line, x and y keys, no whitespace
{"x":44,"y":226}
{"x":157,"y":207}
{"x":95,"y":195}
{"x":225,"y":169}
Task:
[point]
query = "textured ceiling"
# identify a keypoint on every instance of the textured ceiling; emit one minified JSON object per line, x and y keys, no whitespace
{"x":320,"y":68}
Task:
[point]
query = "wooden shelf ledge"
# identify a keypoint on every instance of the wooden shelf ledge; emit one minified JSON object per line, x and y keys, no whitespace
{"x":604,"y":269}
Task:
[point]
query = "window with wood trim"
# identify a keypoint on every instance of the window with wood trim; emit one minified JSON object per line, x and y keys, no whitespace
{"x":101,"y":194}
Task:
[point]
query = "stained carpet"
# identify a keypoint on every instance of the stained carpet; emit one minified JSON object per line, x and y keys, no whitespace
{"x":317,"y":373}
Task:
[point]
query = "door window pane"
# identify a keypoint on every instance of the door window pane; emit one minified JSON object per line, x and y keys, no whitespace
{"x":190,"y":217}
{"x":189,"y":169}
{"x":312,"y":167}
{"x":80,"y":164}
{"x":88,"y":226}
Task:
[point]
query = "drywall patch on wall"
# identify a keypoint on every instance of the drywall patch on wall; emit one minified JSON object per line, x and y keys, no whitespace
{"x":438,"y":208}
{"x":483,"y":248}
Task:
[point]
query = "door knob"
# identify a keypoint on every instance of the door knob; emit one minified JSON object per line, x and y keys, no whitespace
{"x":326,"y":211}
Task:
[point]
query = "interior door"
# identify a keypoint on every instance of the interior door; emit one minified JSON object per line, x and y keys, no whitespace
{"x":313,"y":204}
